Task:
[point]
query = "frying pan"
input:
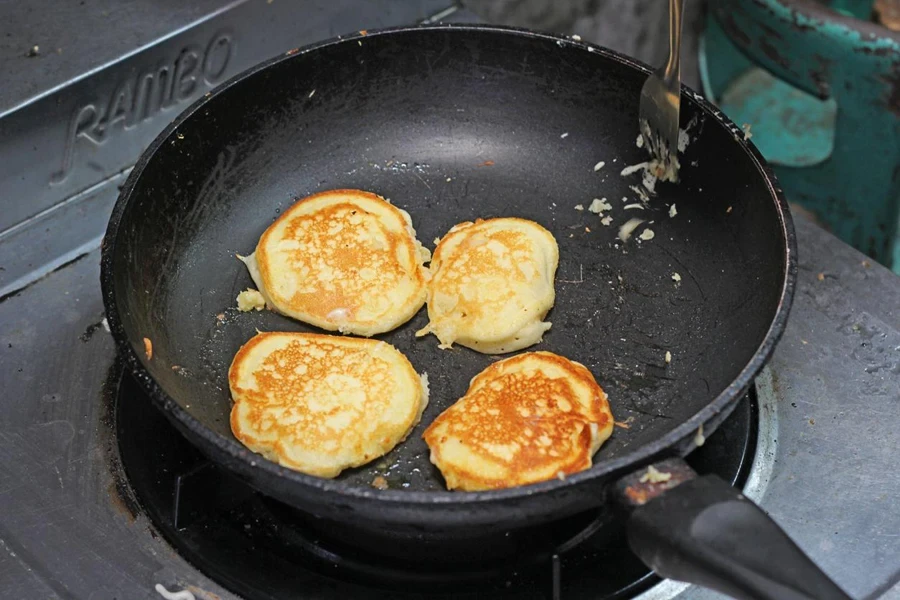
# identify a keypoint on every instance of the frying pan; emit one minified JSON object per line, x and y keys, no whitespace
{"x":454,"y":123}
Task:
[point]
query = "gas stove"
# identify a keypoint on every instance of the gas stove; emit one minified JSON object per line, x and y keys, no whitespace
{"x":101,"y":498}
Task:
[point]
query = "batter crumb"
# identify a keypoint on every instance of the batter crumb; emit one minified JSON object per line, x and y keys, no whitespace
{"x":654,"y":476}
{"x":699,"y":439}
{"x":250,"y":299}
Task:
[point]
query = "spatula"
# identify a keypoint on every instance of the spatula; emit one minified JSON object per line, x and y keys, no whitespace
{"x":661,"y":96}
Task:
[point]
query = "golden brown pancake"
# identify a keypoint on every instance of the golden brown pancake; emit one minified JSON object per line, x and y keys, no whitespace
{"x":322,"y":403}
{"x":491,"y":285}
{"x":343,"y":260}
{"x":525,"y":419}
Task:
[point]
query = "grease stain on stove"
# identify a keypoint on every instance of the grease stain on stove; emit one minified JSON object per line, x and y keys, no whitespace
{"x":90,"y":330}
{"x":201,"y":593}
{"x":122,"y":500}
{"x":117,"y":496}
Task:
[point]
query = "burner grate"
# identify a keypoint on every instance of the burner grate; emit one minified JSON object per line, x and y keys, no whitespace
{"x":261,"y":548}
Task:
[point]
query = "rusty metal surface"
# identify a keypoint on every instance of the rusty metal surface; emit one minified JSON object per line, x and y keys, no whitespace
{"x":765,"y":29}
{"x":887,"y":13}
{"x":636,"y":489}
{"x":856,"y":64}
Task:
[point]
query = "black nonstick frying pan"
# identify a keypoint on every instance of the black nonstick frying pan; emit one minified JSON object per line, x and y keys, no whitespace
{"x":452,"y":124}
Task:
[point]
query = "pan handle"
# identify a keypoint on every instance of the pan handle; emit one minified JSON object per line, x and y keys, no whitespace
{"x":703,"y":531}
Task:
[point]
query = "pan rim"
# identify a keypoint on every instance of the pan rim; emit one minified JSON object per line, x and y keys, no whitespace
{"x":642,"y":455}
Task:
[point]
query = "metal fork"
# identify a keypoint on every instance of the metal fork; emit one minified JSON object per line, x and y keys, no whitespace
{"x":661,"y":95}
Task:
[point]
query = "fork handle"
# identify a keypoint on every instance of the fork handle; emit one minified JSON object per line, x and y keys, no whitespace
{"x":676,"y":18}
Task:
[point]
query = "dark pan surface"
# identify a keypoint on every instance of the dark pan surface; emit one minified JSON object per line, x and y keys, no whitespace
{"x":454,"y":124}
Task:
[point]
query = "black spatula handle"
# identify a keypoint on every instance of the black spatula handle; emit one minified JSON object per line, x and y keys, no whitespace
{"x":703,"y":531}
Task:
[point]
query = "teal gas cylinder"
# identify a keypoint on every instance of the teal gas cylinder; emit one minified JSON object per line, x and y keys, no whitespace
{"x":820,"y":87}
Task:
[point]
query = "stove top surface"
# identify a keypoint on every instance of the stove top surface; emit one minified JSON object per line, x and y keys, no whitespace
{"x":71,"y":526}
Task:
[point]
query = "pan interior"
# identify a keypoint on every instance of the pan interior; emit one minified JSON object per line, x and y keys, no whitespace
{"x":454,"y":125}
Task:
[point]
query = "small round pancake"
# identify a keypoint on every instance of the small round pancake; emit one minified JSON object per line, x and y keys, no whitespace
{"x":321,"y":403}
{"x":492,"y":285}
{"x":525,"y":419}
{"x":343,"y":260}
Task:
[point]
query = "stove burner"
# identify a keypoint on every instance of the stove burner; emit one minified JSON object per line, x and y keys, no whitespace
{"x":261,"y":548}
